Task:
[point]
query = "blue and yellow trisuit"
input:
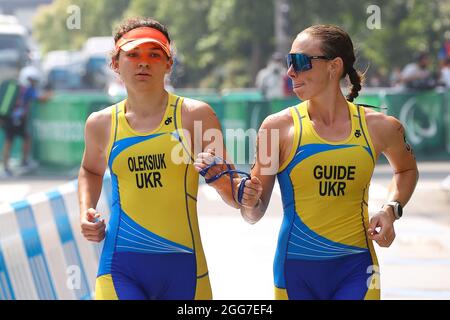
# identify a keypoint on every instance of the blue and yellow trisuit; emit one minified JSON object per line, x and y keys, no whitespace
{"x":152,"y":248}
{"x":323,"y":251}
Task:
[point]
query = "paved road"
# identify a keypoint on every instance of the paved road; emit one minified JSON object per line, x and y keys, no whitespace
{"x":240,"y":255}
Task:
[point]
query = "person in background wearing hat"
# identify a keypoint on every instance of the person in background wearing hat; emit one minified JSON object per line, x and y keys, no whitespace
{"x":17,"y":122}
{"x":152,"y":247}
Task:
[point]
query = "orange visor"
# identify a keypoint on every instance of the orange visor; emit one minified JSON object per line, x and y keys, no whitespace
{"x":138,"y":36}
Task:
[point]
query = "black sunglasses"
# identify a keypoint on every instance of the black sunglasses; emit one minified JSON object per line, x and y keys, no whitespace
{"x":301,"y":62}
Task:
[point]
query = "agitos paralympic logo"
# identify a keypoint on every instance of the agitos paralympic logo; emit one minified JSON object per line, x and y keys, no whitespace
{"x":419,"y":124}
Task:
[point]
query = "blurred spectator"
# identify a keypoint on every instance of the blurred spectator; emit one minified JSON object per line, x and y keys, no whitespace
{"x":416,"y":75}
{"x":445,"y":72}
{"x":395,"y":78}
{"x":16,"y":123}
{"x":271,"y":79}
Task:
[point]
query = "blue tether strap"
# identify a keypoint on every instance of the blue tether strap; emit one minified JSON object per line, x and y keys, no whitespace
{"x":229,"y":171}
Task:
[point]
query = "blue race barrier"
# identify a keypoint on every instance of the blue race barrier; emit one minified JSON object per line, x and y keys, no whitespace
{"x":43,"y":255}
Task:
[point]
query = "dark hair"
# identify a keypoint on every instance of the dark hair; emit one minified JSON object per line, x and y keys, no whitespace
{"x":335,"y":42}
{"x":134,"y":23}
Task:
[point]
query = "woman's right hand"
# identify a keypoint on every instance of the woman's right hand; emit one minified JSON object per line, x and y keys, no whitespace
{"x":252,"y":193}
{"x":92,"y":227}
{"x":204,"y":159}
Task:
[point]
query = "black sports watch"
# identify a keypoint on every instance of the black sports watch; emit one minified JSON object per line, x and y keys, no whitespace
{"x":397,"y":207}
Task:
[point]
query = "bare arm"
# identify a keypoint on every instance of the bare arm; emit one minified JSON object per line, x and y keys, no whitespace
{"x":90,"y":177}
{"x":402,"y":159}
{"x":389,"y":138}
{"x":212,"y":143}
{"x":266,"y":165}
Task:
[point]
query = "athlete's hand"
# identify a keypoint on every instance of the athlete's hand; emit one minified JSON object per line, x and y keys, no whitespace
{"x":252,"y":192}
{"x":384,"y":222}
{"x":204,"y":159}
{"x":92,"y":227}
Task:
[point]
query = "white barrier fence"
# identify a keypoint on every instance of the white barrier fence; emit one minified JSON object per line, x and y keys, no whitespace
{"x":43,"y":254}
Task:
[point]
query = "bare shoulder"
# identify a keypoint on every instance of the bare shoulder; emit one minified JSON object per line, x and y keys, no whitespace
{"x":280,"y":120}
{"x":381,"y":123}
{"x":383,"y":128}
{"x":197,"y":108}
{"x":98,"y":125}
{"x":101,"y":117}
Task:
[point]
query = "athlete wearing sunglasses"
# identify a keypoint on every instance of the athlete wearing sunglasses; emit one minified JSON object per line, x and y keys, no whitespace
{"x":301,"y":62}
{"x":328,"y":148}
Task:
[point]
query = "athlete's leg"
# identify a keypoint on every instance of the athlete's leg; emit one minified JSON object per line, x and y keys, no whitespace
{"x":298,"y":278}
{"x":173,"y":277}
{"x":121,"y":287}
{"x":362,"y":280}
{"x":128,"y":289}
{"x":104,"y":288}
{"x":123,"y":276}
{"x":346,"y":277}
{"x":354,"y":289}
{"x":203,"y":290}
{"x":154,"y":276}
{"x":281,"y":294}
{"x":26,"y":147}
{"x":6,"y":152}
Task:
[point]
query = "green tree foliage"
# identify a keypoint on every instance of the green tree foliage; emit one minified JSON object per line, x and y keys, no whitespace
{"x":96,"y":19}
{"x":50,"y":30}
{"x":223,"y":43}
{"x":407,"y":27}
